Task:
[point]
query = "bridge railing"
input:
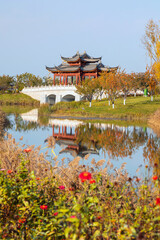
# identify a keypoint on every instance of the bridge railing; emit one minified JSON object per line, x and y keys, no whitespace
{"x":54,"y":87}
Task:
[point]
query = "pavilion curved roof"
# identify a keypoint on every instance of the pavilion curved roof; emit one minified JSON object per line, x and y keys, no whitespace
{"x":88,"y":67}
{"x":83,"y":57}
{"x":63,"y":68}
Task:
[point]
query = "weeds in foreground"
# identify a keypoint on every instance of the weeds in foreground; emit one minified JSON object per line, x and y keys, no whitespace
{"x":73,"y":201}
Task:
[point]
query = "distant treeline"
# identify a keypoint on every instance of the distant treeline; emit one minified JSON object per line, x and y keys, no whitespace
{"x":18,"y":82}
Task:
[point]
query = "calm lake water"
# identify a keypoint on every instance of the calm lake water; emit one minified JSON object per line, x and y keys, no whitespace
{"x":133,"y":145}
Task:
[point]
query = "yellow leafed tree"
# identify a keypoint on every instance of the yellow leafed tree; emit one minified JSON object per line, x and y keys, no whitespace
{"x":157,"y":63}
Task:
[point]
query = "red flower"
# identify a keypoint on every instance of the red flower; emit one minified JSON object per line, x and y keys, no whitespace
{"x":158,"y":201}
{"x":83,"y":180}
{"x":92,"y":181}
{"x":27,"y":150}
{"x":9,"y":171}
{"x":85,"y":175}
{"x":38,"y":178}
{"x":73,"y":216}
{"x":62,"y":187}
{"x":155,"y":177}
{"x":44,"y":207}
{"x":22,"y":220}
{"x":71,"y":189}
{"x":99,"y":217}
{"x":138,"y":179}
{"x":55,"y":214}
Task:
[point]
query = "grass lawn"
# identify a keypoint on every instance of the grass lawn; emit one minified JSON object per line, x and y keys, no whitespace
{"x":18,"y":99}
{"x":135,"y":108}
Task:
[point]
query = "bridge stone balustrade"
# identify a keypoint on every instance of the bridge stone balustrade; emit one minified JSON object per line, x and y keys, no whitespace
{"x":52,"y":94}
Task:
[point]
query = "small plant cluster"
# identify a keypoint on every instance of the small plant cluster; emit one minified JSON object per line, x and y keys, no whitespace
{"x":67,"y":105}
{"x":77,"y":202}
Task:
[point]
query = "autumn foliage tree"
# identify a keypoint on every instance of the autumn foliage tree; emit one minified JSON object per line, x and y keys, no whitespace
{"x":157,"y":63}
{"x":110,"y":84}
{"x":151,"y":81}
{"x":150,"y":39}
{"x":125,"y":82}
{"x":98,"y":83}
{"x":138,"y":81}
{"x":87,"y":89}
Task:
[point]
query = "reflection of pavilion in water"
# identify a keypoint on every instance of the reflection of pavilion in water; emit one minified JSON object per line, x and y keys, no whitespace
{"x":66,"y":137}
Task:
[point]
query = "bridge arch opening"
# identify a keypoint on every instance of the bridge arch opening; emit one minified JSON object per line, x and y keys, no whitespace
{"x":68,"y":98}
{"x":51,"y":99}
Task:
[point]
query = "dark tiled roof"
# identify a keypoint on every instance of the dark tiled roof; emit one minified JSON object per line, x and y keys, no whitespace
{"x":89,"y":67}
{"x":91,"y":64}
{"x":63,"y":68}
{"x":83,"y":57}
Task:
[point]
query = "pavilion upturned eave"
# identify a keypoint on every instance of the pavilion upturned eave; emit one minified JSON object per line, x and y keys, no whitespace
{"x":81,"y":58}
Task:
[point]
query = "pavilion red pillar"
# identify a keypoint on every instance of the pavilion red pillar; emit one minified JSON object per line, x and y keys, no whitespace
{"x":63,"y":79}
{"x":76,"y":79}
{"x":66,"y":80}
{"x":60,"y":79}
{"x":54,"y":80}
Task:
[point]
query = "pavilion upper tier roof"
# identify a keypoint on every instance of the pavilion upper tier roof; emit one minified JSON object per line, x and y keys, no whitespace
{"x":89,"y":67}
{"x":84,"y":57}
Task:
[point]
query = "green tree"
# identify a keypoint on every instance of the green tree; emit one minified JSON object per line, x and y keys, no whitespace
{"x":27,"y":80}
{"x":87,"y":89}
{"x":6,"y":82}
{"x":48,"y":80}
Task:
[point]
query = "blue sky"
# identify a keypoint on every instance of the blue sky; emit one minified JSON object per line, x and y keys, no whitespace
{"x":35,"y":33}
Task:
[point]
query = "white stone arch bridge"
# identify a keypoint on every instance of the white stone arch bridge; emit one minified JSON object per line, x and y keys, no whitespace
{"x":53,"y":94}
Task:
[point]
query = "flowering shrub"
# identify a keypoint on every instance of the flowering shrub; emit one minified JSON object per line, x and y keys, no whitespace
{"x":85,"y":176}
{"x":77,"y":202}
{"x":27,"y":150}
{"x":44,"y":207}
{"x":155,"y":177}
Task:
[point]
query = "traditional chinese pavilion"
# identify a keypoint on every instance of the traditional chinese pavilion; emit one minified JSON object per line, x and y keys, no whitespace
{"x":75,"y":69}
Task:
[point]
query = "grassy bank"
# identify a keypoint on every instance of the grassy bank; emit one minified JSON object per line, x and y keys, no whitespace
{"x":40,"y":201}
{"x":136,"y":108}
{"x":17,"y":99}
{"x":154,"y":122}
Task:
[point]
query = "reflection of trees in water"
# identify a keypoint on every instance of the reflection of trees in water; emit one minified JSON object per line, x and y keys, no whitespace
{"x":117,"y":142}
{"x":87,"y":136}
{"x":4,"y":123}
{"x":21,"y":125}
{"x":151,"y":152}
